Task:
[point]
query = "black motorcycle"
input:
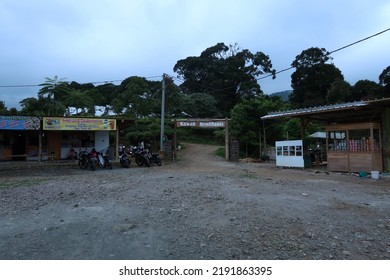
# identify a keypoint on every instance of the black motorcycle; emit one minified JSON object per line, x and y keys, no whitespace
{"x":154,"y":158}
{"x":87,"y":160}
{"x":124,"y":158}
{"x":141,"y":156}
{"x":103,"y":159}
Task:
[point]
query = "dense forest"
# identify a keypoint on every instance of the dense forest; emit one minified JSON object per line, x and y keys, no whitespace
{"x":223,"y":81}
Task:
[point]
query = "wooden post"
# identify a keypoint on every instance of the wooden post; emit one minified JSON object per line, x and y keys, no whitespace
{"x":116,"y":153}
{"x":226,"y":139}
{"x":174,"y":139}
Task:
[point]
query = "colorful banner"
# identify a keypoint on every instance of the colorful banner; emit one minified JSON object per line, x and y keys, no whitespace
{"x":78,"y":124}
{"x":19,"y":123}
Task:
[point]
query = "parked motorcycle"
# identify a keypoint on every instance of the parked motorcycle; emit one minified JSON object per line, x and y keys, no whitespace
{"x":153,"y":157}
{"x":103,"y":159}
{"x":141,"y":157}
{"x":145,"y":156}
{"x":124,"y":158}
{"x":87,"y":160}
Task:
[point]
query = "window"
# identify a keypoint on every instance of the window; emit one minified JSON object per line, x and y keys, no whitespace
{"x":337,"y":140}
{"x":359,"y":140}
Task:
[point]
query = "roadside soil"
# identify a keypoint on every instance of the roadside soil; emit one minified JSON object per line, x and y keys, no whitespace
{"x":198,"y":207}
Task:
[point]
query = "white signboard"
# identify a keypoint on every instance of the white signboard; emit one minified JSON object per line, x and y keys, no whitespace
{"x":289,"y":153}
{"x":201,"y":123}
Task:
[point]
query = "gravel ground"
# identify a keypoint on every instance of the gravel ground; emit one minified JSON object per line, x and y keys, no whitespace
{"x":199,"y":207}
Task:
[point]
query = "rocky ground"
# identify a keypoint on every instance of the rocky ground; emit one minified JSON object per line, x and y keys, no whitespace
{"x":199,"y":207}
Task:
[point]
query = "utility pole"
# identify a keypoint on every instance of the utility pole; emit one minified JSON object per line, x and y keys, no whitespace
{"x":162,"y":113}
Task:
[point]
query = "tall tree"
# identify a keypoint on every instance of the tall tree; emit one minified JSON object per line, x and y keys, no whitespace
{"x":104,"y":96}
{"x":54,"y":89}
{"x":340,"y":91}
{"x":228,"y":73}
{"x":365,"y":90}
{"x":247,"y":126}
{"x":312,"y":78}
{"x":199,"y":105}
{"x":384,"y":80}
{"x":78,"y":99}
{"x":134,"y":98}
{"x":35,"y":106}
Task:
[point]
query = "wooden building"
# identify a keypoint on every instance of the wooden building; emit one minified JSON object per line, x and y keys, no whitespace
{"x":358,"y":133}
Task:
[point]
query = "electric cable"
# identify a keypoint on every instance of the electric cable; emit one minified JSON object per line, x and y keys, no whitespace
{"x":257,"y":79}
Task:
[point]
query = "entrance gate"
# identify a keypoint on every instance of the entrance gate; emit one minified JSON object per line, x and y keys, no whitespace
{"x":205,"y":123}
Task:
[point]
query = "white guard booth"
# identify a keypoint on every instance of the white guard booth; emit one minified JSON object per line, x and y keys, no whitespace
{"x":289,"y":153}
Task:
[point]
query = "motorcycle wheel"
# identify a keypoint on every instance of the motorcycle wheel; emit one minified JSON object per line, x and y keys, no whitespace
{"x":83,"y":164}
{"x":139,"y":161}
{"x":126,"y":163}
{"x":109,"y":165}
{"x":93,"y":165}
{"x":147,"y":161}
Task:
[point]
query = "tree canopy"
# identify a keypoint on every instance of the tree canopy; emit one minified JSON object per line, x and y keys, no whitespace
{"x":227,"y":73}
{"x":312,"y":78}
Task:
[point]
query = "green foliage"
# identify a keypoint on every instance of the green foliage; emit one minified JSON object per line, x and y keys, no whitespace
{"x":3,"y":109}
{"x":292,"y":129}
{"x":384,"y":80}
{"x":340,"y":91}
{"x":247,"y":127}
{"x":79,"y":100}
{"x":210,"y":136}
{"x":220,"y":152}
{"x":34,"y":107}
{"x":225,"y":72}
{"x":54,"y":90}
{"x":365,"y":89}
{"x":148,"y":131}
{"x":312,"y":78}
{"x":200,"y":105}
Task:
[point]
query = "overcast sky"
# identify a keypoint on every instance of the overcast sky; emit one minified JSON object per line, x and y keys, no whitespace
{"x":105,"y":40}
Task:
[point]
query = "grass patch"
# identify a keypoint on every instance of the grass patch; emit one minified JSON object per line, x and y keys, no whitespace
{"x":220,"y":152}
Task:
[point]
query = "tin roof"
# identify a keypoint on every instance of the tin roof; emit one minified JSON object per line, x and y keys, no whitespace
{"x":358,"y":109}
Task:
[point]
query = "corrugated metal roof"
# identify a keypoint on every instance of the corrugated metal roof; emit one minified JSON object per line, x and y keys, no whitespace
{"x":315,"y":110}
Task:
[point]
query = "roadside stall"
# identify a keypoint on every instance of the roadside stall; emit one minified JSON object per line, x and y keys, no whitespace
{"x":20,"y":138}
{"x":68,"y":135}
{"x":358,"y":149}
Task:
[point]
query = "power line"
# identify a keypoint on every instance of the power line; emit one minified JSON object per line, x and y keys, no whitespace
{"x":328,"y":53}
{"x":98,"y":82}
{"x":359,"y":41}
{"x":260,"y":78}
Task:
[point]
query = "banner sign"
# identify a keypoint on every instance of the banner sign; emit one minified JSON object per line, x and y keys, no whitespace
{"x":78,"y":124}
{"x":201,"y":123}
{"x":19,"y":123}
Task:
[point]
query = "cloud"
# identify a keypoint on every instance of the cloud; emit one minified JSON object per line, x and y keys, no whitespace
{"x":109,"y":40}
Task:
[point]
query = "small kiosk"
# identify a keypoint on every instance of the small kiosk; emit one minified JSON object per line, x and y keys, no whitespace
{"x":289,"y":153}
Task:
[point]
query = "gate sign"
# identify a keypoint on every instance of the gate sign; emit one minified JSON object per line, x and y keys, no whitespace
{"x":201,"y":123}
{"x":19,"y":123}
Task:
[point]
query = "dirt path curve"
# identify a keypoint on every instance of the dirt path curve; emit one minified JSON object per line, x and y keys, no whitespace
{"x":198,"y":157}
{"x":199,"y":207}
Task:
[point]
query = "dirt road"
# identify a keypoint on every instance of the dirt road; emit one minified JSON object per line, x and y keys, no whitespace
{"x":199,"y":207}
